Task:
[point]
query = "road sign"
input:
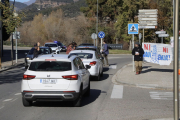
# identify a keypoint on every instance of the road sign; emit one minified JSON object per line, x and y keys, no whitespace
{"x":148,"y":24}
{"x":148,"y":13}
{"x":147,"y":16}
{"x":148,"y":10}
{"x":94,"y":36}
{"x":150,"y":27}
{"x":147,"y":21}
{"x":163,"y":35}
{"x":133,"y":28}
{"x":160,"y":32}
{"x":101,"y":34}
{"x":16,"y":35}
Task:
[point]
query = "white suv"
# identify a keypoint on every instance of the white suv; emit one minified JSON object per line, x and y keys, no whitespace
{"x":55,"y":78}
{"x":54,"y":46}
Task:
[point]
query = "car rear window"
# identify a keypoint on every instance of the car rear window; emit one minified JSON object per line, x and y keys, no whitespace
{"x":83,"y":55}
{"x":86,"y":49}
{"x":51,"y":45}
{"x":50,"y":66}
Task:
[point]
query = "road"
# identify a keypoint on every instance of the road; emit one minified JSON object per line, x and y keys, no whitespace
{"x":131,"y":102}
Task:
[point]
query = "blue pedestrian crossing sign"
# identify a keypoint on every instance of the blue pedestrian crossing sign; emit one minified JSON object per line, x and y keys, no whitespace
{"x":101,"y":34}
{"x":133,"y":28}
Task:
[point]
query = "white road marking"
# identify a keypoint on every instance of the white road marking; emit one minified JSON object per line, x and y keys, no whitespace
{"x":162,"y":95}
{"x":2,"y":107}
{"x":112,"y":66}
{"x":14,"y":100}
{"x":117,"y":92}
{"x":7,"y":100}
{"x":17,"y":94}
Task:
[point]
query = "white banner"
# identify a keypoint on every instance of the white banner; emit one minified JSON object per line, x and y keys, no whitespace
{"x":157,"y":53}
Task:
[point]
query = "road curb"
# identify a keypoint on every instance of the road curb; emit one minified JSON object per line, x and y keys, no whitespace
{"x":114,"y":80}
{"x":11,"y":67}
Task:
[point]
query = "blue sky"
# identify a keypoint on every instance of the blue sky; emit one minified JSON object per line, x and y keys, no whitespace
{"x":20,"y":0}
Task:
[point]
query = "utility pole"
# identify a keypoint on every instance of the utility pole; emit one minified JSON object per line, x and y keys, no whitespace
{"x":97,"y":26}
{"x":176,"y":60}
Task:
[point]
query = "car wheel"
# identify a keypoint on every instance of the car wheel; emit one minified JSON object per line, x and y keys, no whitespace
{"x":26,"y":67}
{"x":98,"y":77}
{"x":87,"y":93}
{"x":102,"y":73}
{"x":26,"y":103}
{"x":77,"y":102}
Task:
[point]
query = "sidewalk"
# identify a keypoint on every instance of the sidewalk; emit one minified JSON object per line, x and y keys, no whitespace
{"x":152,"y":76}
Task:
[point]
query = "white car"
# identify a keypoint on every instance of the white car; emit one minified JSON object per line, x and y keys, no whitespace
{"x":55,"y":78}
{"x":54,"y":46}
{"x":90,"y":57}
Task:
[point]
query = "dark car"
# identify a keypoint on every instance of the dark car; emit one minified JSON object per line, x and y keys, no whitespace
{"x":94,"y":48}
{"x":86,"y":44}
{"x":30,"y":54}
{"x":63,"y":47}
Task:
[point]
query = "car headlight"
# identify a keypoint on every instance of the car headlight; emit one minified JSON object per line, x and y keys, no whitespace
{"x":27,"y":58}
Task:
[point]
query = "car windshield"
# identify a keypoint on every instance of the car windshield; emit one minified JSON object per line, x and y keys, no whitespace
{"x":51,"y":45}
{"x":45,"y":50}
{"x":59,"y":44}
{"x":31,"y":51}
{"x":83,"y":55}
{"x":50,"y":66}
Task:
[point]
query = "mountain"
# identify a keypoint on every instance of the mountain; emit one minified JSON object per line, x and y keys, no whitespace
{"x":70,"y":10}
{"x":30,"y":2}
{"x":52,"y":3}
{"x":18,"y":5}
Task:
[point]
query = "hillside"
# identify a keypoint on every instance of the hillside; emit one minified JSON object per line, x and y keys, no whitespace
{"x":30,"y":2}
{"x":70,"y":10}
{"x":18,"y":5}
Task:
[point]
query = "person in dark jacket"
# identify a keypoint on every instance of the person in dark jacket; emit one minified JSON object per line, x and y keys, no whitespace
{"x":138,"y":57}
{"x":37,"y":50}
{"x":105,"y":51}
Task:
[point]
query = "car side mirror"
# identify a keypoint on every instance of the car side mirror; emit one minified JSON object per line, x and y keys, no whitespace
{"x":88,"y":66}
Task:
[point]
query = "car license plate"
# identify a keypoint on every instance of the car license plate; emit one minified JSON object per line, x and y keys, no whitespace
{"x":48,"y":81}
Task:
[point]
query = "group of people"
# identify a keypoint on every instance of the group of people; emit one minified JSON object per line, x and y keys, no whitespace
{"x":137,"y":52}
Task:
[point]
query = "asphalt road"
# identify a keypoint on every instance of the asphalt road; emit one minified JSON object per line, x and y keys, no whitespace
{"x":133,"y":103}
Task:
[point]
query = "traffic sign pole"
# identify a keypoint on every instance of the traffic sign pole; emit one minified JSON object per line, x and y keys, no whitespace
{"x":101,"y":43}
{"x":161,"y":39}
{"x":133,"y":48}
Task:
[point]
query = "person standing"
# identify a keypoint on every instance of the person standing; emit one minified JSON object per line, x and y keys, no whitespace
{"x":138,"y":57}
{"x":37,"y":50}
{"x":69,"y":48}
{"x":105,"y":52}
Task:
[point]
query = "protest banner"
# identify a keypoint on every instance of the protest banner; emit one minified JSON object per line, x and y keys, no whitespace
{"x":157,"y":53}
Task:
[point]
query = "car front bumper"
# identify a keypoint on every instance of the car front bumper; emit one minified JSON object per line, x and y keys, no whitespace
{"x":50,"y":96}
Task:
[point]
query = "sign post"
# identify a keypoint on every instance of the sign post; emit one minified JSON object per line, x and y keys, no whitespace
{"x":94,"y":36}
{"x":101,"y":35}
{"x":133,"y":29}
{"x":162,"y":34}
{"x":16,"y":35}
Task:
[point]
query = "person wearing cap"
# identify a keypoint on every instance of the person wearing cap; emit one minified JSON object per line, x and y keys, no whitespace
{"x":138,"y":57}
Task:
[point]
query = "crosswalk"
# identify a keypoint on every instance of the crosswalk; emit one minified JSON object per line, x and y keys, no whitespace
{"x":118,"y":90}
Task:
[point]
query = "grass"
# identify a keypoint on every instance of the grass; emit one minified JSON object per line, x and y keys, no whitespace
{"x":119,"y":52}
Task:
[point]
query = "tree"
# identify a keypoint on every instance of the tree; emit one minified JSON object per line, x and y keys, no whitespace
{"x":8,"y":18}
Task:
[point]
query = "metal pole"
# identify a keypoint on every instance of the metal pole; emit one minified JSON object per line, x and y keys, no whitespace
{"x":16,"y":44}
{"x":12,"y":47}
{"x":161,"y":39}
{"x":97,"y":25}
{"x":133,"y":48}
{"x":101,"y":43}
{"x":0,"y":41}
{"x":143,"y":35}
{"x":176,"y":61}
